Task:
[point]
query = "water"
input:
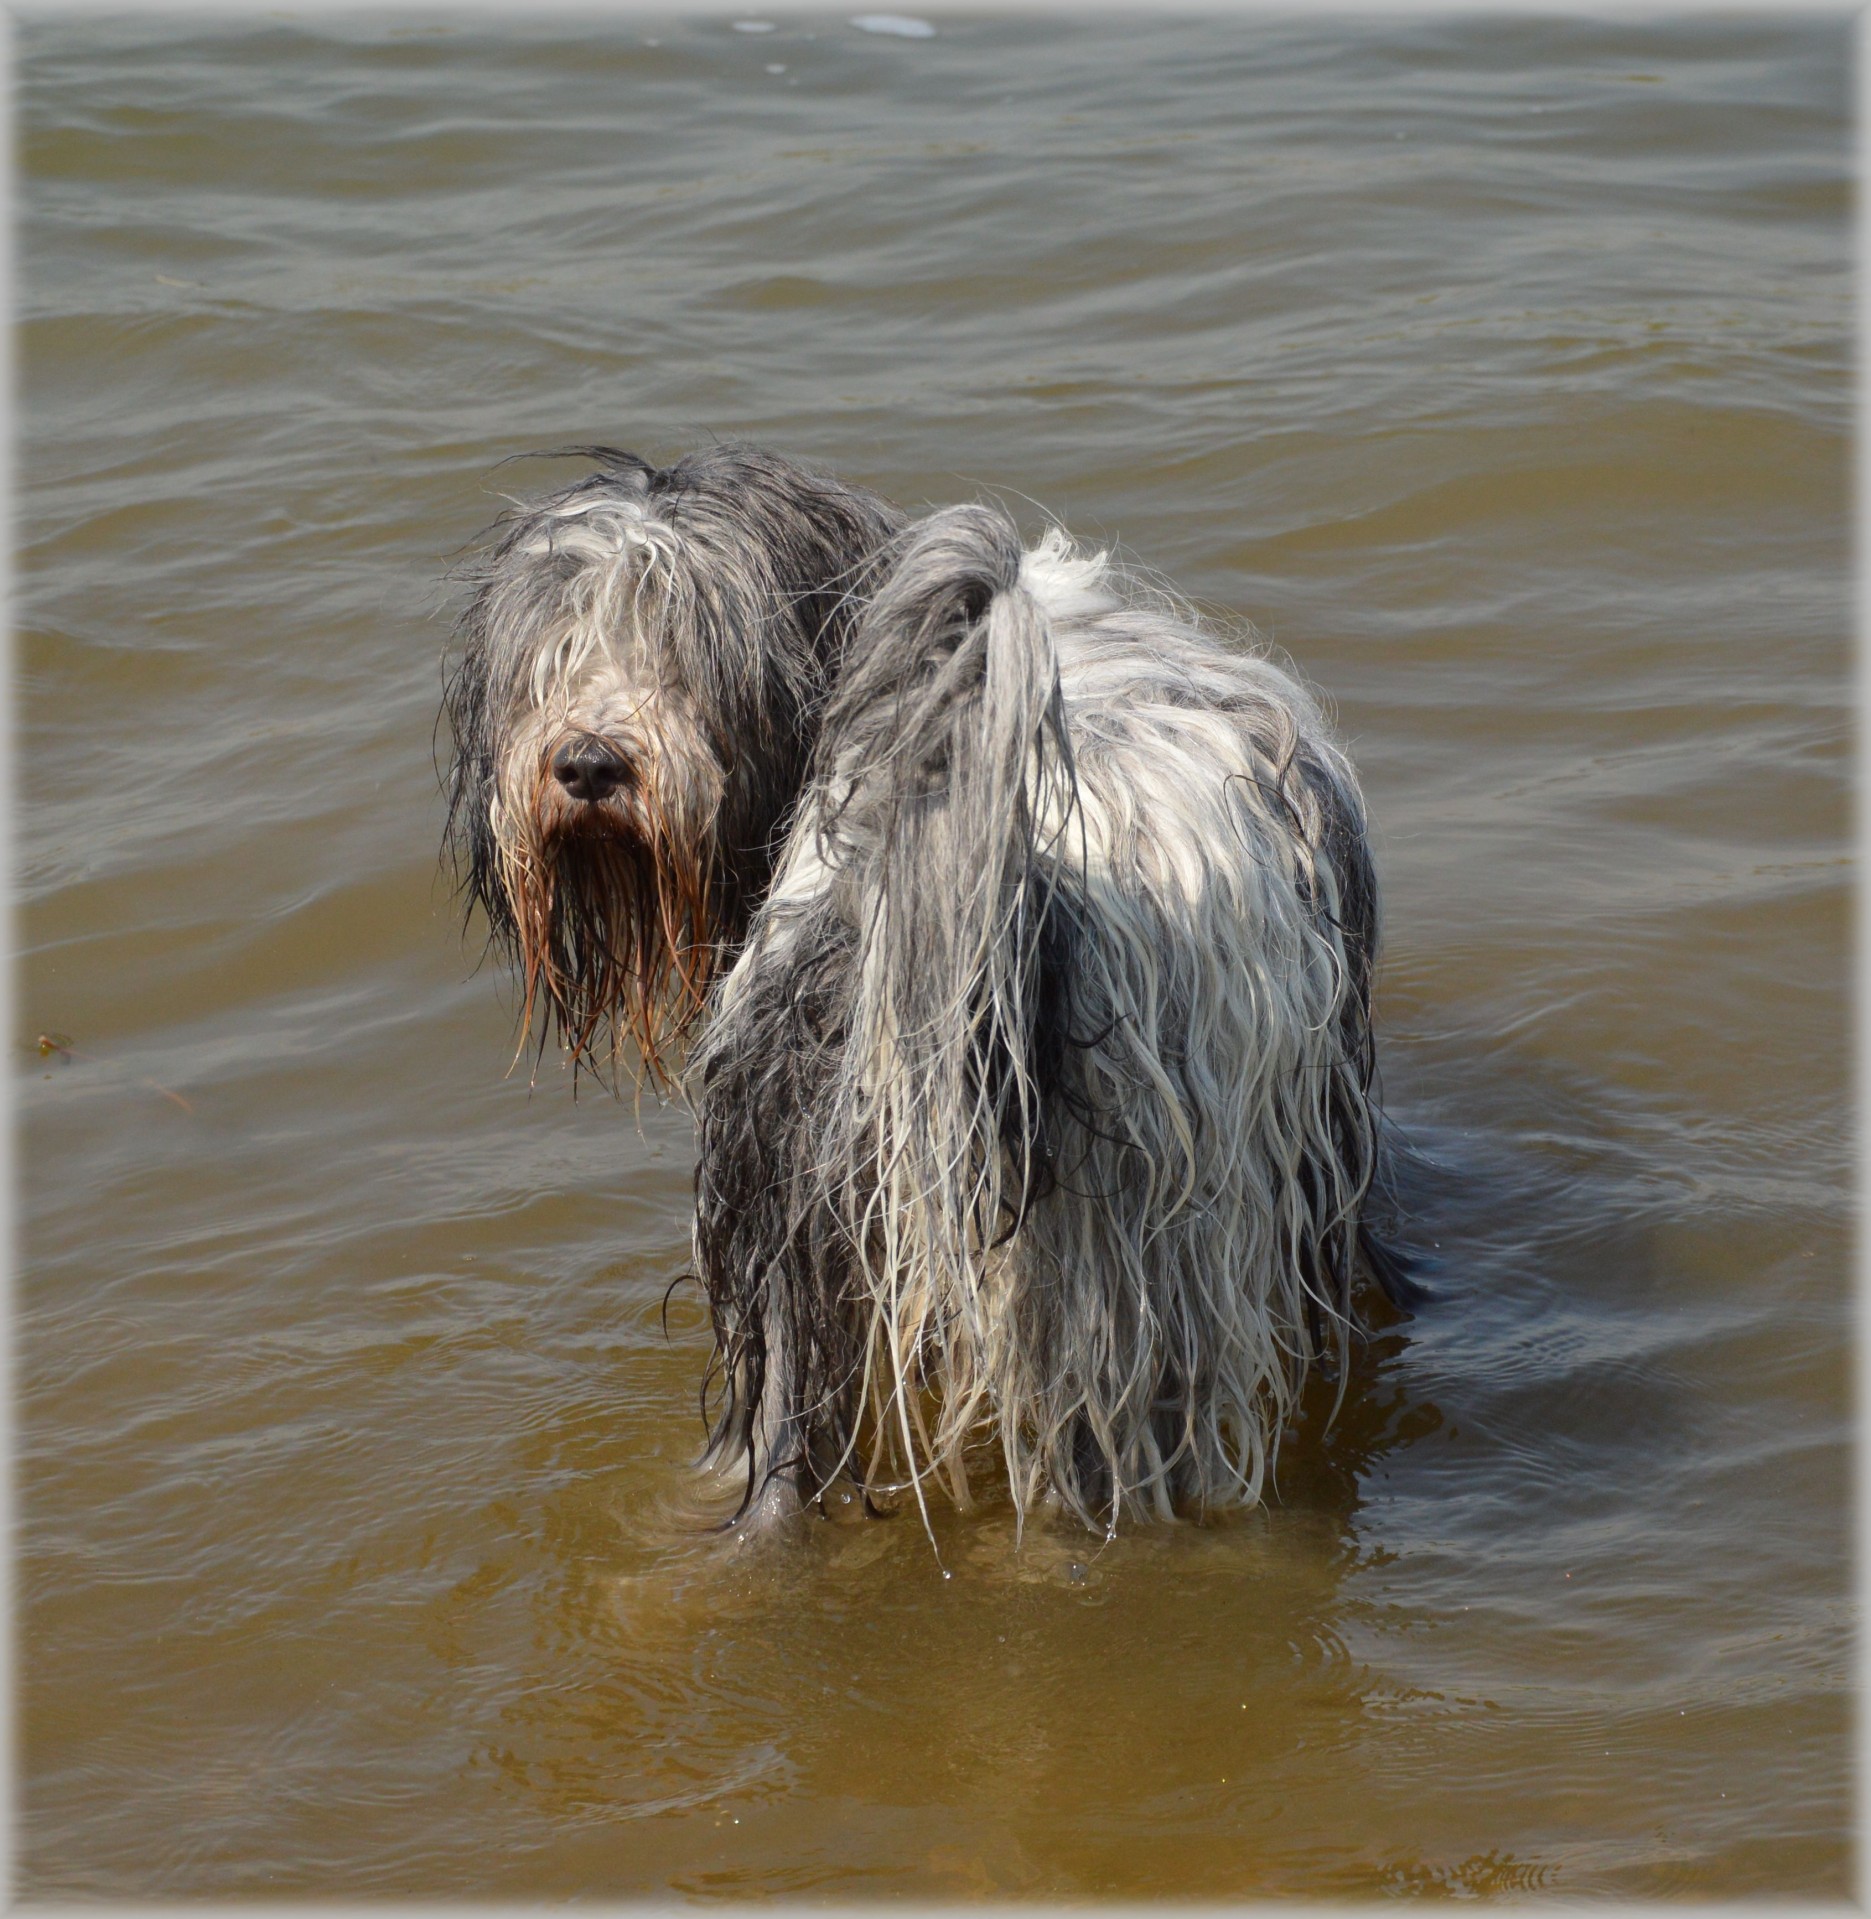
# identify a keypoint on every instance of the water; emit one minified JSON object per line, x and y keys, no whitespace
{"x":1499,"y":371}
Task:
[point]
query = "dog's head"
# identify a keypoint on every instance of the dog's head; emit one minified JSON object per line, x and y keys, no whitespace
{"x":633,"y":704}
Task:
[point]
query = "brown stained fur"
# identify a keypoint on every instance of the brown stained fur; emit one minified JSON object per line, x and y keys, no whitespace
{"x":616,"y":927}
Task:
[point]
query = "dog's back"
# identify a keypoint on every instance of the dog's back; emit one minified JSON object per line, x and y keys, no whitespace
{"x":1038,"y":1102}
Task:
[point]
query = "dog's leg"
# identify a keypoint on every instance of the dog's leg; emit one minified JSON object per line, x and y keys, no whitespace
{"x":770,"y":1248}
{"x":775,"y":1442}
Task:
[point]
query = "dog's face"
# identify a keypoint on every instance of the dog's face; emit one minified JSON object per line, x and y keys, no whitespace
{"x":633,"y":707}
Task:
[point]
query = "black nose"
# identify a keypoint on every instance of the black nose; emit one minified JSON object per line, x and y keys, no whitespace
{"x":588,"y":771}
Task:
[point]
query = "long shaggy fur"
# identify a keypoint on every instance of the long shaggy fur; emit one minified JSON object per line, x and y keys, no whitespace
{"x":1035,"y":1099}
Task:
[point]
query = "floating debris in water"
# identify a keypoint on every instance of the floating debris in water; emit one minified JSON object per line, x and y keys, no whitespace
{"x":778,"y":67}
{"x":59,"y":1046}
{"x":753,"y":26}
{"x":905,"y":25}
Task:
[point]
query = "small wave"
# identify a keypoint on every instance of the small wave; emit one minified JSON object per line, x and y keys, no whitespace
{"x":904,"y":25}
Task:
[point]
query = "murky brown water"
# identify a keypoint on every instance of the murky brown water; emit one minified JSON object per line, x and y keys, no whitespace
{"x":1498,"y":370}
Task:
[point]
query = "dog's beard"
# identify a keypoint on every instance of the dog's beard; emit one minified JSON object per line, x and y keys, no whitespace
{"x":613,"y":923}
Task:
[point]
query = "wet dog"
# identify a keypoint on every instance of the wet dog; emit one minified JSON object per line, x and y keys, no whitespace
{"x":1011,"y":937}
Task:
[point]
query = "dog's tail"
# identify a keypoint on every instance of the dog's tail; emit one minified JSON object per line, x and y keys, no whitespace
{"x":946,"y":751}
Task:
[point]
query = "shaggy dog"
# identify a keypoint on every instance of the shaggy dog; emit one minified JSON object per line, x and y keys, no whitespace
{"x":1010,"y":936}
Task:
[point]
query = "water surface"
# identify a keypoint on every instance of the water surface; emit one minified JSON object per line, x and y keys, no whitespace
{"x":1499,"y":373}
